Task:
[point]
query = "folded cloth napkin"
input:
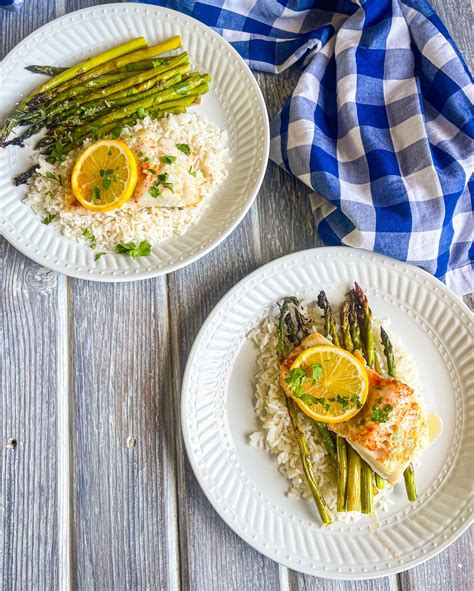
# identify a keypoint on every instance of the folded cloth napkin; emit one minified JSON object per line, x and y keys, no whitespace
{"x":379,"y":124}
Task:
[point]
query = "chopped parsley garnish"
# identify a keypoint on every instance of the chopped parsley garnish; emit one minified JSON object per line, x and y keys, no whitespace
{"x":96,"y":193}
{"x":343,"y":401}
{"x":379,"y":400}
{"x":98,"y":255}
{"x":356,"y":400}
{"x":316,"y":373}
{"x":132,"y":250}
{"x":88,"y":234}
{"x":154,"y":192}
{"x":191,"y":171}
{"x":380,"y":415}
{"x":163,"y":177}
{"x":49,"y":175}
{"x":168,"y":159}
{"x":323,"y":403}
{"x":156,"y":63}
{"x":105,"y":175}
{"x":49,"y":218}
{"x":297,"y":377}
{"x":184,"y":148}
{"x":109,"y":153}
{"x":57,"y":151}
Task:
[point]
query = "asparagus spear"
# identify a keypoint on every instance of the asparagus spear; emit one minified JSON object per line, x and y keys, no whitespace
{"x":409,"y":474}
{"x":46,"y":70}
{"x":122,"y":87}
{"x":341,"y":474}
{"x":353,"y":491}
{"x":74,"y":72}
{"x":367,"y":491}
{"x":134,"y":67}
{"x":112,"y":65}
{"x":330,"y":328}
{"x":295,"y":324}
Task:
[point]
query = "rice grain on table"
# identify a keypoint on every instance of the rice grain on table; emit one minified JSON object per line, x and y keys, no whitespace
{"x":211,"y":159}
{"x":276,"y":434}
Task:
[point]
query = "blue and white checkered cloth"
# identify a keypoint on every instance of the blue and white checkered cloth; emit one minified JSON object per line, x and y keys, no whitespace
{"x":379,"y":124}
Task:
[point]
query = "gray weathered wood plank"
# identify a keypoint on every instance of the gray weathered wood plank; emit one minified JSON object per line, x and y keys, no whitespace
{"x":212,"y":556}
{"x":125,"y":534}
{"x":28,"y":366}
{"x":28,"y":374}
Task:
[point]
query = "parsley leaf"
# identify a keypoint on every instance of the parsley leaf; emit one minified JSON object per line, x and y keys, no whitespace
{"x":57,"y":151}
{"x":98,"y":255}
{"x":132,"y":250}
{"x":296,"y":379}
{"x":379,"y":415}
{"x":343,"y":401}
{"x":184,"y":148}
{"x":356,"y":400}
{"x":154,"y":192}
{"x":307,"y":399}
{"x":168,"y":159}
{"x":316,"y":373}
{"x":49,"y":218}
{"x":96,"y":193}
{"x":88,"y":234}
{"x":191,"y":171}
{"x":163,"y":177}
{"x":50,"y":175}
{"x":323,"y":403}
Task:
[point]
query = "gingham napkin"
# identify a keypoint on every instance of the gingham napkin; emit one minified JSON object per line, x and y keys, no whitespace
{"x":379,"y":125}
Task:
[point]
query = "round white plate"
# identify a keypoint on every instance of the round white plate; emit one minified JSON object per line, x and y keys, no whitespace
{"x":234,"y":103}
{"x":243,"y":483}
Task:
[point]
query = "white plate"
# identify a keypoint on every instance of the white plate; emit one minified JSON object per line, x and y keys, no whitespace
{"x":235,"y":103}
{"x":243,"y":483}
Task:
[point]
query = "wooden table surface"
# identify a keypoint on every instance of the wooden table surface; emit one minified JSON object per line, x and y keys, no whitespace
{"x":96,"y":489}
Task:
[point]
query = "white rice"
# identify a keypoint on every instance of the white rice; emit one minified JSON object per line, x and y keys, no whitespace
{"x":276,"y":434}
{"x":211,"y":159}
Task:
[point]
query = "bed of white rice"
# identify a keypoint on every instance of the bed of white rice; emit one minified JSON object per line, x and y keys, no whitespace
{"x":276,"y":434}
{"x":211,"y":159}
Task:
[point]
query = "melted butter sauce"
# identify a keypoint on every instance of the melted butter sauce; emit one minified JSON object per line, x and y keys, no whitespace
{"x":435,"y":426}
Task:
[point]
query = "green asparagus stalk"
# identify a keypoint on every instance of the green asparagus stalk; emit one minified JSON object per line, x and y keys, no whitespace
{"x":112,"y":65}
{"x":354,"y":327}
{"x":72,"y":73}
{"x":293,"y":323}
{"x":330,"y":328}
{"x":328,"y":441}
{"x":365,"y":316}
{"x":367,"y":491}
{"x":122,"y":87}
{"x":410,"y":483}
{"x":341,"y":474}
{"x":353,"y":501}
{"x":152,"y":101}
{"x":45,"y":70}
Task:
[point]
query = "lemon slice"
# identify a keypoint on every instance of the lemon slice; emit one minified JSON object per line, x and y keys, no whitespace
{"x":104,"y":176}
{"x":328,"y":383}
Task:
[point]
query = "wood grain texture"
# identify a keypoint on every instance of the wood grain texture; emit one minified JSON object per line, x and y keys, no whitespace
{"x":28,"y":363}
{"x":139,"y":519}
{"x":124,"y":431}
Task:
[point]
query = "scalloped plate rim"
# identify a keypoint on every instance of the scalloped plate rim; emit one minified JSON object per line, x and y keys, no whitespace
{"x":118,"y":277}
{"x":318,"y":251}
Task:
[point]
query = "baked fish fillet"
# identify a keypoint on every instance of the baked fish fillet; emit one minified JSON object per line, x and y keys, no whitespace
{"x":388,"y":429}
